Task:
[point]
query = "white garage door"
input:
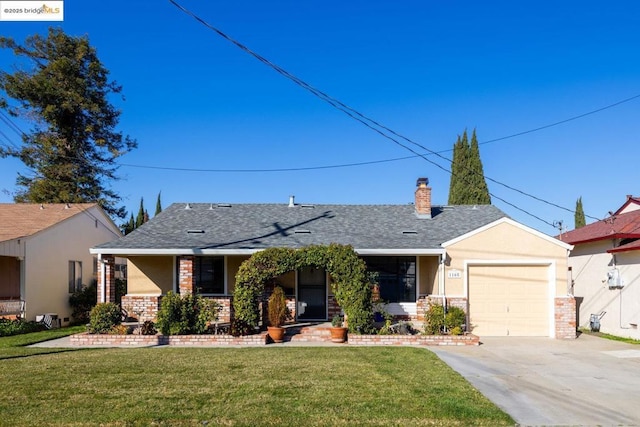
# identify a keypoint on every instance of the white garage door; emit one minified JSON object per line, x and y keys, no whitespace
{"x":509,"y":300}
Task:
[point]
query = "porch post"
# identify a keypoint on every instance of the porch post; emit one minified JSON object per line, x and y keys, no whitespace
{"x":106,"y":279}
{"x":186,"y":269}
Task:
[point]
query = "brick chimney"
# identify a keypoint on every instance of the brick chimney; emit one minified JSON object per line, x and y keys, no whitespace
{"x":423,"y":198}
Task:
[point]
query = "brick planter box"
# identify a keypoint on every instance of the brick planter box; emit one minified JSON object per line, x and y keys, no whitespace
{"x":413,"y":339}
{"x":98,"y":340}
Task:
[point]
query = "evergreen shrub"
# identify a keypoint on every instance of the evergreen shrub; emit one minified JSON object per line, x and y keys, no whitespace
{"x":184,"y":315}
{"x":17,"y":327}
{"x":436,"y":322}
{"x":103,"y":317}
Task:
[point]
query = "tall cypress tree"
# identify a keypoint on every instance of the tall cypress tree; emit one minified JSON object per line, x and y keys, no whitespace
{"x":479,"y":192}
{"x":158,"y":205}
{"x":456,"y":185}
{"x":140,"y":216}
{"x":129,"y":226}
{"x":579,"y":218}
{"x":468,"y":185}
{"x":132,"y":223}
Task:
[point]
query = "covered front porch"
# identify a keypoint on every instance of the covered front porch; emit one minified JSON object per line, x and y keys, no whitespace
{"x":405,"y":282}
{"x":12,"y":300}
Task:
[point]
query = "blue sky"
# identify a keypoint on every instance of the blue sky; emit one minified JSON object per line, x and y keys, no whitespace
{"x":425,"y":69}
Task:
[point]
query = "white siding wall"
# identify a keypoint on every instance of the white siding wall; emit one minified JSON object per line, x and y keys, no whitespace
{"x":590,"y":263}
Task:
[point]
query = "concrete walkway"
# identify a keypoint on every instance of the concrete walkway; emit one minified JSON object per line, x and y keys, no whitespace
{"x":541,"y":381}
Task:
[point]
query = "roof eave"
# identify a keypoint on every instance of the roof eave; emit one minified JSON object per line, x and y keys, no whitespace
{"x":197,"y":251}
{"x":607,"y":237}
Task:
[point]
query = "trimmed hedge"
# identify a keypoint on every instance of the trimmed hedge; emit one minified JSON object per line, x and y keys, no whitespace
{"x":103,"y":317}
{"x":186,"y":314}
{"x":17,"y":327}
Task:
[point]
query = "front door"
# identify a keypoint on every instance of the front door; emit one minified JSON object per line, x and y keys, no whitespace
{"x":312,"y":294}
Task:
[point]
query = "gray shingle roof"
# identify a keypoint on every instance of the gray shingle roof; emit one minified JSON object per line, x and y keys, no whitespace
{"x":259,"y":226}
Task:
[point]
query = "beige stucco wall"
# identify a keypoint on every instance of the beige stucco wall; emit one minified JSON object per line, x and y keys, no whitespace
{"x":47,"y":256}
{"x":149,"y":275}
{"x":621,"y":307}
{"x":233,"y":264}
{"x":504,"y":242}
{"x":428,"y":275}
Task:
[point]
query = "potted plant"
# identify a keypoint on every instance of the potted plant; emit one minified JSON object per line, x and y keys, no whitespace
{"x":277,"y":313}
{"x":338,"y":331}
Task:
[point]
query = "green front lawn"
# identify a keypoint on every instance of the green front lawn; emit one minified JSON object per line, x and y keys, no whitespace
{"x":610,"y":337}
{"x":249,"y":386}
{"x":14,"y":346}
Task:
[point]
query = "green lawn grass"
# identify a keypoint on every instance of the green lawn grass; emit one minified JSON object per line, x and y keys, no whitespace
{"x":610,"y":337}
{"x":275,"y":385}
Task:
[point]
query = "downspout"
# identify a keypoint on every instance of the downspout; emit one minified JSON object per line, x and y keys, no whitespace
{"x":570,"y":289}
{"x":620,"y":310}
{"x":441,"y":285}
{"x":619,"y":296}
{"x":442,"y":290}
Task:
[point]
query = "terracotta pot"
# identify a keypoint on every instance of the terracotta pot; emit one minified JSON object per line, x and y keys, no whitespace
{"x":276,"y":333}
{"x":338,"y":334}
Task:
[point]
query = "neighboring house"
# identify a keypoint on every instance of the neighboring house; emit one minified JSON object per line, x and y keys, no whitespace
{"x":605,"y":267}
{"x":511,"y":279}
{"x":44,"y":253}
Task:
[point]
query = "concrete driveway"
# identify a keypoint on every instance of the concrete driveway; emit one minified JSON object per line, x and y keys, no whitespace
{"x":542,"y":381}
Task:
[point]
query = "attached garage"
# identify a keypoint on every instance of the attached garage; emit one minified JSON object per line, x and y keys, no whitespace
{"x":512,"y":280}
{"x":510,"y":300}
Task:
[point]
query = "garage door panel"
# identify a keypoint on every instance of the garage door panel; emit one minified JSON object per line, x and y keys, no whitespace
{"x":509,"y":300}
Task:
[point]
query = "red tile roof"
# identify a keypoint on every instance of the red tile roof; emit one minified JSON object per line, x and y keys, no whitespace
{"x":633,"y":246}
{"x":24,"y":219}
{"x":622,"y":226}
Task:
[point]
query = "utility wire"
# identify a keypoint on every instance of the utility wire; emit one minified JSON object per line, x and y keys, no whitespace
{"x":363,"y":119}
{"x":395,"y":159}
{"x":7,"y":119}
{"x":356,"y":115}
{"x":345,"y":165}
{"x":6,"y":138}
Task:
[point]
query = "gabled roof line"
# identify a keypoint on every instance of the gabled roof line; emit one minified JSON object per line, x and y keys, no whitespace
{"x":21,"y":217}
{"x":630,"y":200}
{"x":507,"y":220}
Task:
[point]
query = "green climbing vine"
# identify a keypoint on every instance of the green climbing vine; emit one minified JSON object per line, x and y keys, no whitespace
{"x":348,"y":274}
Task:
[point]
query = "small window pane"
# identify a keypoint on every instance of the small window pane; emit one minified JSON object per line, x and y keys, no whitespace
{"x":72,"y":277}
{"x":75,"y":276}
{"x":209,"y":275}
{"x":397,"y":277}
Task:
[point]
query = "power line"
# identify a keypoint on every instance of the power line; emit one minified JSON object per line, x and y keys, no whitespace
{"x":579,"y":116}
{"x":4,"y":135}
{"x":356,"y":115}
{"x":345,"y":165}
{"x":395,"y":159}
{"x":12,"y":125}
